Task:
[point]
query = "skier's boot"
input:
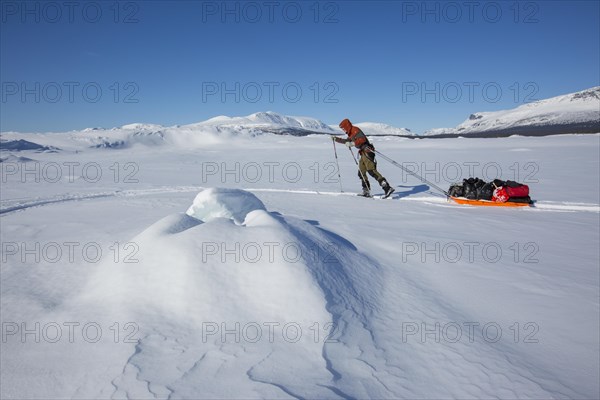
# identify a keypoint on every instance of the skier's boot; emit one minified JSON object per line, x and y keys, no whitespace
{"x":366,"y":192}
{"x":366,"y":186}
{"x":387,"y":189}
{"x":366,"y":189}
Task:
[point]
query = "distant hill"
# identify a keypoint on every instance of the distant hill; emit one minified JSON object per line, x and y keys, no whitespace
{"x":379,"y":129}
{"x":571,"y":113}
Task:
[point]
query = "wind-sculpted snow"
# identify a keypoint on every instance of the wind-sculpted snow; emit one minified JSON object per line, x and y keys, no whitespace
{"x":224,"y":203}
{"x":236,"y":301}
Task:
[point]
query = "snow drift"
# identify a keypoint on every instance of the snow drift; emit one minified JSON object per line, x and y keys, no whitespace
{"x":258,"y":303}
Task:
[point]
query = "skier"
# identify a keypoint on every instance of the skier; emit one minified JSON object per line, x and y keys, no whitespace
{"x":367,"y":161}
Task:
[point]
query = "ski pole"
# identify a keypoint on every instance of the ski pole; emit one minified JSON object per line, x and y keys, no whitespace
{"x":338,"y":165}
{"x":412,"y":173}
{"x":364,"y":178}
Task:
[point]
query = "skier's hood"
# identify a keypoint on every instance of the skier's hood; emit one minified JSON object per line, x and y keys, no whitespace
{"x":346,"y":125}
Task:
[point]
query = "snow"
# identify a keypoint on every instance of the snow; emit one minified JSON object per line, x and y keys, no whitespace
{"x":214,"y":203}
{"x":376,"y":128}
{"x":233,"y":267}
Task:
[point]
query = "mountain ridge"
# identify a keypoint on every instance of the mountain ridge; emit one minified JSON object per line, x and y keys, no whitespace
{"x":574,"y":113}
{"x":577,"y":112}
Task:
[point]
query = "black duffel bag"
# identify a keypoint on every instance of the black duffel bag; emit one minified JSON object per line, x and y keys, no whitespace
{"x":485,"y":192}
{"x":456,"y":190}
{"x":469,"y":189}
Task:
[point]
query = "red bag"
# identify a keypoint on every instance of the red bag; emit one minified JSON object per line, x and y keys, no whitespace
{"x":500,"y":195}
{"x":521,"y":191}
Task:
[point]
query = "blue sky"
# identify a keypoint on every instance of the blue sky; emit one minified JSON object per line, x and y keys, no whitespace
{"x":418,"y":65}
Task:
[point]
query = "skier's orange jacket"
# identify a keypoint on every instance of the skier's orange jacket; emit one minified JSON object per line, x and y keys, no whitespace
{"x":355,"y":134}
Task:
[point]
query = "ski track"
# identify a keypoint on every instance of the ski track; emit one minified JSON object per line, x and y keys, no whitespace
{"x":14,"y":205}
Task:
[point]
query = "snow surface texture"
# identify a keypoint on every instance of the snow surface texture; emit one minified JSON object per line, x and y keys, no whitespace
{"x":570,"y":109}
{"x":274,"y":284}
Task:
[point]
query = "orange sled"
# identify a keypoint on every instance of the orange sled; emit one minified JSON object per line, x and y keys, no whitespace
{"x":462,"y":200}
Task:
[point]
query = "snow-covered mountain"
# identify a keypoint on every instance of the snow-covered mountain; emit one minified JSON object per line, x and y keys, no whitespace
{"x":22,"y":145}
{"x":260,"y":123}
{"x":379,"y":129}
{"x":262,"y":120}
{"x":213,"y":130}
{"x":572,"y":113}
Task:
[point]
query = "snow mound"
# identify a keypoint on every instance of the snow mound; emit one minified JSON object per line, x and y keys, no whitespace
{"x":233,"y":204}
{"x":172,"y":224}
{"x":224,"y":305}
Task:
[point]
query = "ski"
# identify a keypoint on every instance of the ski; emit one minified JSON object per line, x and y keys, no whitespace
{"x":378,"y":197}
